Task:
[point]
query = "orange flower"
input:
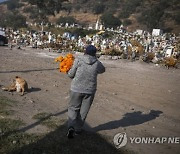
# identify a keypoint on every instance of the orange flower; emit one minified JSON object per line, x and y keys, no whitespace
{"x":59,"y":59}
{"x":65,"y":62}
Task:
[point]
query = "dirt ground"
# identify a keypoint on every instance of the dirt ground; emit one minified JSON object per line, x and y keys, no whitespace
{"x":140,"y":99}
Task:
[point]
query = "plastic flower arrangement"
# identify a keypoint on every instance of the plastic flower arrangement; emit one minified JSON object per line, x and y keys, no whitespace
{"x":65,"y":63}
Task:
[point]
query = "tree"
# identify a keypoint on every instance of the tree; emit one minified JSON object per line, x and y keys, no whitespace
{"x":12,"y":5}
{"x":98,"y":8}
{"x":13,"y":20}
{"x":64,"y":20}
{"x":67,"y":7}
{"x":110,"y":21}
{"x":151,"y":18}
{"x":177,"y":17}
{"x":127,"y":22}
{"x":129,"y":7}
{"x":49,"y":7}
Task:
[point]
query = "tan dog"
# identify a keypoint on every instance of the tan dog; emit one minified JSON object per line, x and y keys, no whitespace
{"x":19,"y":85}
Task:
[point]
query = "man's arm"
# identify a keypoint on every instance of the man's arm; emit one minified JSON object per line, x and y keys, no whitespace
{"x":101,"y":68}
{"x":71,"y":73}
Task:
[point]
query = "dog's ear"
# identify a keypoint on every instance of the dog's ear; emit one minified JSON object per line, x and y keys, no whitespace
{"x":17,"y":77}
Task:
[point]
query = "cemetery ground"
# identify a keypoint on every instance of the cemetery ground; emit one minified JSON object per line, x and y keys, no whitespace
{"x":133,"y":97}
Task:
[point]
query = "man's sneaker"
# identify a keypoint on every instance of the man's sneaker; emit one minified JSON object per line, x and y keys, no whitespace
{"x":70,"y":133}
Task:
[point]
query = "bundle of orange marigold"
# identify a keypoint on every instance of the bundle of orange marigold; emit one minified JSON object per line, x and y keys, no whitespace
{"x":65,"y":63}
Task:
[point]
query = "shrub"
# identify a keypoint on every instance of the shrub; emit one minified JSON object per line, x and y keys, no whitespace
{"x":13,"y":4}
{"x":129,"y":7}
{"x":177,"y":17}
{"x":67,"y":7}
{"x":13,"y":20}
{"x":49,"y":7}
{"x":110,"y":21}
{"x":65,"y":20}
{"x":98,"y":8}
{"x":151,"y":18}
{"x":127,"y":22}
{"x":28,"y":10}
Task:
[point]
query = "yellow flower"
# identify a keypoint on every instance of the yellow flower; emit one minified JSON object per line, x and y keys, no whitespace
{"x":59,"y":59}
{"x":65,"y":62}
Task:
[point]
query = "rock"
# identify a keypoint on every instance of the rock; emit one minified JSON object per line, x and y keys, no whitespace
{"x":101,"y":57}
{"x":105,"y":57}
{"x":31,"y":101}
{"x":123,"y":128}
{"x":14,"y":142}
{"x":1,"y":117}
{"x":67,"y":97}
{"x":79,"y":53}
{"x":115,"y":57}
{"x":132,"y":109}
{"x":109,"y":57}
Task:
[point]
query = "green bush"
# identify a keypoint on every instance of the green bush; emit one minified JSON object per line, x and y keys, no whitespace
{"x":36,"y":14}
{"x":177,"y":17}
{"x":77,"y":7}
{"x":111,"y":4}
{"x":13,"y":4}
{"x":110,"y":21}
{"x":29,"y":9}
{"x":127,"y":22}
{"x":129,"y":7}
{"x":151,"y":18}
{"x":13,"y":20}
{"x":98,"y":8}
{"x":49,"y":7}
{"x":157,"y":14}
{"x":67,"y":7}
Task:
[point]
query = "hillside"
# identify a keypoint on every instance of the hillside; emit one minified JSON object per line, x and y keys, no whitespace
{"x":134,"y":14}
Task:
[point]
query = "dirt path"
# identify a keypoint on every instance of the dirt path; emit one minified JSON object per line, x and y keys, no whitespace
{"x":137,"y":98}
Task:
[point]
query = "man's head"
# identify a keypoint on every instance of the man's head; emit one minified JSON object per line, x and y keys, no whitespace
{"x":91,"y":50}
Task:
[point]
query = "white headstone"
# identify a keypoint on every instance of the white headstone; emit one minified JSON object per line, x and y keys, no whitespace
{"x":169,"y":51}
{"x":139,"y":31}
{"x":157,"y":32}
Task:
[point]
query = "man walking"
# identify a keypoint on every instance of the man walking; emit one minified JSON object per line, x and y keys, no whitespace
{"x":83,"y":87}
